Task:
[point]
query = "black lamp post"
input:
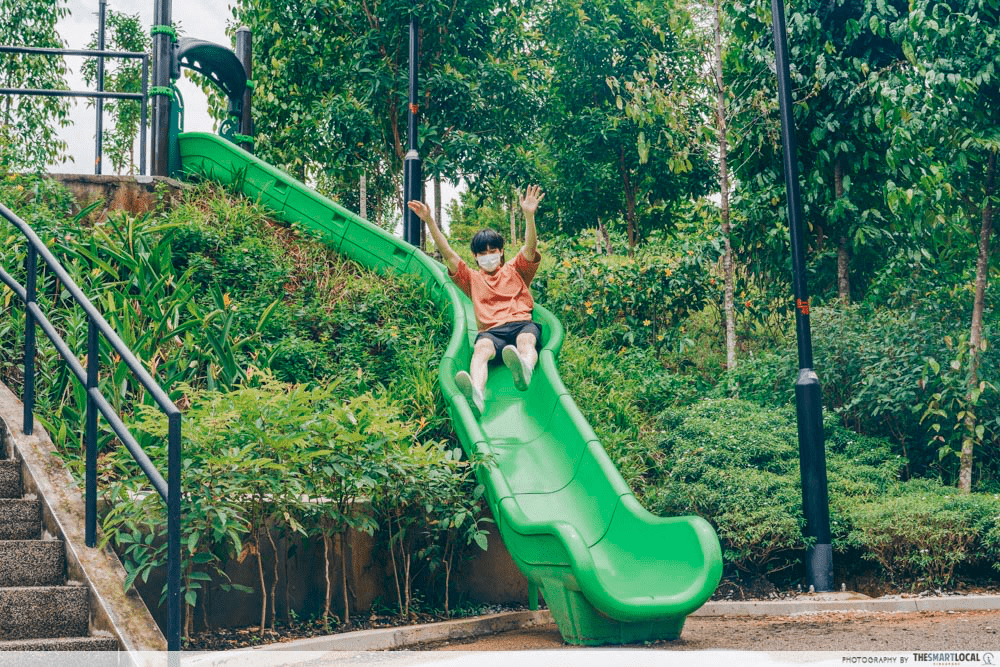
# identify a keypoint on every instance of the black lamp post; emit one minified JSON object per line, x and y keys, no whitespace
{"x":412,"y":179}
{"x":162,"y":52}
{"x":808,"y":400}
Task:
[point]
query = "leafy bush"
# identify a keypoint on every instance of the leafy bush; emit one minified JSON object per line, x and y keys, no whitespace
{"x":639,"y":301}
{"x":892,"y":374}
{"x":924,"y":532}
{"x":284,"y":458}
{"x":737,"y":465}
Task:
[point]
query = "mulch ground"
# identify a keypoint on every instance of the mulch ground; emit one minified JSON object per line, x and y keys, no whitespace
{"x":709,"y":631}
{"x":225,"y":639}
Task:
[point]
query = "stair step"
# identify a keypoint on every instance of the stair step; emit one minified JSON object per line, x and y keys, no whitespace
{"x":20,"y":519}
{"x":63,"y":644}
{"x":40,"y":612}
{"x":32,"y":562}
{"x":10,"y":479}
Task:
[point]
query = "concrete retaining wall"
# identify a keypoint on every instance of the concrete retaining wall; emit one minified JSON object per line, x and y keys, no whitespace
{"x":488,"y":577}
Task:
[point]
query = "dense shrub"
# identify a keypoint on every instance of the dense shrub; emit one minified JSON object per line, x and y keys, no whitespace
{"x":617,"y":393}
{"x":269,"y":457}
{"x":923,"y":533}
{"x":639,"y":301}
{"x":207,"y":292}
{"x":880,"y":371}
{"x":737,"y":465}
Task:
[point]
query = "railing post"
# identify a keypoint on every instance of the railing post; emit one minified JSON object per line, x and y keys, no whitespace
{"x":99,"y":148}
{"x":143,"y":115}
{"x":90,"y":434}
{"x":29,"y":342}
{"x":174,"y":532}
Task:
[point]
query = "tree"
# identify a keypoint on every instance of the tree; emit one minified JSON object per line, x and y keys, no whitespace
{"x":331,"y":94}
{"x":722,"y":130}
{"x":840,"y":147}
{"x":620,"y":113}
{"x":29,"y":126}
{"x":124,"y":76}
{"x":942,"y":111}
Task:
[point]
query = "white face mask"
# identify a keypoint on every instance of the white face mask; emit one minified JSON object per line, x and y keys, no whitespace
{"x":489,"y":262}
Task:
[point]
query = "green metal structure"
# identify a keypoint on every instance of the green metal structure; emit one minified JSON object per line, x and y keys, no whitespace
{"x":610,"y":572}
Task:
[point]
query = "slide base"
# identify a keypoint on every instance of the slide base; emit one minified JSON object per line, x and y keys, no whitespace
{"x":580,"y":624}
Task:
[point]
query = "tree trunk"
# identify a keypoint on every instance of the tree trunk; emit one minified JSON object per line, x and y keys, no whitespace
{"x":843,"y":256}
{"x":437,"y":198}
{"x":727,"y":257}
{"x":976,"y":330}
{"x":633,"y":234}
{"x":326,"y":573}
{"x":343,"y":574}
{"x":607,"y":237}
{"x":263,"y":583}
{"x":513,"y":219}
{"x":274,"y":581}
{"x":363,"y":196}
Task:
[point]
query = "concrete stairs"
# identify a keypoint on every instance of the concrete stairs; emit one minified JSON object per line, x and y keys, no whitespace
{"x":39,"y":609}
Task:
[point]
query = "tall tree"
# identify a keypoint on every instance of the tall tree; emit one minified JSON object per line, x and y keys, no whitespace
{"x":29,"y":126}
{"x":721,"y":130}
{"x":942,"y":111}
{"x":331,"y":94}
{"x":841,"y":149}
{"x":620,"y":113}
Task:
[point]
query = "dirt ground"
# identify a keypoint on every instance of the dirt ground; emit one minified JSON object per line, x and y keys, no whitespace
{"x":830,"y":631}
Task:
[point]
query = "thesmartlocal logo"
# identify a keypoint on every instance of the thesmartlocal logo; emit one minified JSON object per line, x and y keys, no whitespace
{"x":952,"y":658}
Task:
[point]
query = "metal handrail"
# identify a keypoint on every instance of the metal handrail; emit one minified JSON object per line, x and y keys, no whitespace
{"x":169,"y":489}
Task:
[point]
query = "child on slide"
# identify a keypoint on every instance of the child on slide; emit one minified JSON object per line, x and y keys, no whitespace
{"x":500,"y":297}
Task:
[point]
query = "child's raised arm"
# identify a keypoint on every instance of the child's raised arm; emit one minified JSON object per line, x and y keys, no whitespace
{"x":533,"y":195}
{"x":450,"y":257}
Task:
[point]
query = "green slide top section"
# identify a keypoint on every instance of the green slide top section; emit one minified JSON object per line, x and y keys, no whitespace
{"x":609,"y":571}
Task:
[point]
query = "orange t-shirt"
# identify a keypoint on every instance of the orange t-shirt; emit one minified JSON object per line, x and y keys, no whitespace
{"x":503,"y":297}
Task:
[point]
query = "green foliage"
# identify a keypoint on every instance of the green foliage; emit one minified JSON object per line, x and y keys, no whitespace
{"x":125,"y":32}
{"x":892,"y":373}
{"x":620,"y":124}
{"x":330,"y":99}
{"x":956,"y":415}
{"x":618,"y":393}
{"x":736,"y":464}
{"x":207,"y":293}
{"x":924,"y":533}
{"x":29,"y":126}
{"x":639,"y":301}
{"x":841,"y":150}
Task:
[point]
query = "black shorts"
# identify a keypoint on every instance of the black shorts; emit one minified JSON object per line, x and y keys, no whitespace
{"x":503,"y":335}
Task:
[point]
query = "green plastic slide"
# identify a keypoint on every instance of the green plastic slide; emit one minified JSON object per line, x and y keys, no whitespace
{"x":610,"y":572}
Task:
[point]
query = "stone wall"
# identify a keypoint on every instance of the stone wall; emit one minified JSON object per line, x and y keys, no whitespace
{"x":135,"y":194}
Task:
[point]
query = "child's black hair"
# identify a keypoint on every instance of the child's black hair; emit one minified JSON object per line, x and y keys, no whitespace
{"x":484,"y":239}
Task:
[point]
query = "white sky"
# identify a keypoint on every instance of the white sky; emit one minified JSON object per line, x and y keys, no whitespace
{"x":203,"y":19}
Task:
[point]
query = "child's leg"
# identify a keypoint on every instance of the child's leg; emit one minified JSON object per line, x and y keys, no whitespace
{"x":483,"y":352}
{"x":526,"y":350}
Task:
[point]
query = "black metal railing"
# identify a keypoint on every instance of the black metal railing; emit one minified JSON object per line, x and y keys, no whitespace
{"x":99,"y":94}
{"x":169,"y":489}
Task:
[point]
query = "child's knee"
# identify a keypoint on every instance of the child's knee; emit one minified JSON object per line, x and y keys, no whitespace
{"x":526,"y":340}
{"x":484,"y":349}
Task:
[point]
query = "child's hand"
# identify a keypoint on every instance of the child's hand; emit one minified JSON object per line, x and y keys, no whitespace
{"x":532,"y":197}
{"x":422,"y":210}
